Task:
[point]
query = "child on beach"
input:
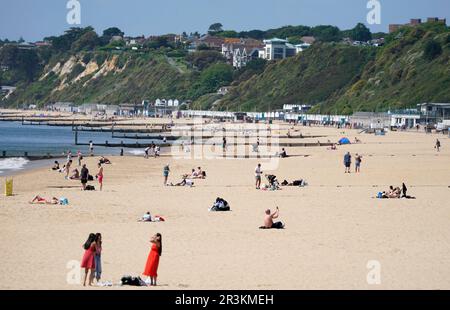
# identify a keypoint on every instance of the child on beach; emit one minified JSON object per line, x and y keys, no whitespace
{"x":166,"y":172}
{"x":438,"y":145}
{"x":80,"y":158}
{"x":88,"y":261}
{"x":151,"y":267}
{"x":56,"y":166}
{"x":99,"y":176}
{"x":67,"y":168}
{"x":358,"y":159}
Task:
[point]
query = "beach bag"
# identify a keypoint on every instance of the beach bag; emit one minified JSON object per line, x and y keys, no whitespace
{"x":90,"y":188}
{"x":380,"y":195}
{"x":63,"y":201}
{"x":9,"y":187}
{"x":132,"y":281}
{"x":298,"y":183}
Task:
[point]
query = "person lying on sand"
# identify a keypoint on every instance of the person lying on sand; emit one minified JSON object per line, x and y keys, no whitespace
{"x":268,"y":220}
{"x":42,"y":201}
{"x":184,"y":182}
{"x":394,"y":192}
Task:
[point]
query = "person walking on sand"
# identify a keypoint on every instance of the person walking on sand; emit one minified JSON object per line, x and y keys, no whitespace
{"x":151,"y":267}
{"x":67,"y":169}
{"x":98,"y":256}
{"x":88,"y":261}
{"x":166,"y":172}
{"x":99,"y":176}
{"x":438,"y":145}
{"x":358,"y":159}
{"x":80,"y":158}
{"x":347,"y":162}
{"x":258,"y":174}
{"x":84,"y":176}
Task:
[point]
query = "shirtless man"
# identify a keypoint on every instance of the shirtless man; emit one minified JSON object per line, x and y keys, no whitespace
{"x":268,"y":220}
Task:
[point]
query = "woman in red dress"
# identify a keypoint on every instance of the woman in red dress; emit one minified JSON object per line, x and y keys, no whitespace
{"x":88,"y":261}
{"x":151,"y":267}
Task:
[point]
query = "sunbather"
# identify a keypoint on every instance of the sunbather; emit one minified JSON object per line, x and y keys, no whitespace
{"x":42,"y":201}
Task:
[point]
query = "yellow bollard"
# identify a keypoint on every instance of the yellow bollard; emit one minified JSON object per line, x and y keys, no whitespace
{"x":9,"y":187}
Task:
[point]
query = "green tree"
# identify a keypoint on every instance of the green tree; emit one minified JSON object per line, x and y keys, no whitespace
{"x":112,"y":31}
{"x":211,"y":79}
{"x":432,"y":50}
{"x":203,"y":59}
{"x":327,"y":33}
{"x":360,"y":33}
{"x":217,"y":27}
{"x":87,"y":41}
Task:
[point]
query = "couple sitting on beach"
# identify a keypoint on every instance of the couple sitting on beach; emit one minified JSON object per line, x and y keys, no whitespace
{"x":196,"y":174}
{"x":148,"y":218}
{"x":395,"y":193}
{"x":221,"y":205}
{"x":268,"y":220}
{"x":54,"y":201}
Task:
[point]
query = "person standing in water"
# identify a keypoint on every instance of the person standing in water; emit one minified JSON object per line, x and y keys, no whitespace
{"x":100,"y":176}
{"x":91,"y":147}
{"x":88,"y":261}
{"x":151,"y":267}
{"x":166,"y":172}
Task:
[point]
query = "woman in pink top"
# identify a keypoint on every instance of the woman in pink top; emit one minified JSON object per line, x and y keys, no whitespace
{"x":88,"y":261}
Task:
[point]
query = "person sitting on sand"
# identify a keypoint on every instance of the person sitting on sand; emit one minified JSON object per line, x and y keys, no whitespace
{"x":41,"y":201}
{"x":268,"y":220}
{"x":201,"y":174}
{"x":283,"y":153}
{"x":194,"y":174}
{"x":104,"y":161}
{"x":56,"y":166}
{"x":75,"y":174}
{"x":357,"y":140}
{"x":146,"y":218}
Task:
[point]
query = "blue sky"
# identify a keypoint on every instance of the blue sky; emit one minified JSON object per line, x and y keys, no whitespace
{"x":35,"y":19}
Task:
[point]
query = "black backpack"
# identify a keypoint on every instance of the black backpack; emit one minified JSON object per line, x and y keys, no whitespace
{"x":90,"y":188}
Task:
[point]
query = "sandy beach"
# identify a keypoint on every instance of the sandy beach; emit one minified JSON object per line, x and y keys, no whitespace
{"x":334,"y":226}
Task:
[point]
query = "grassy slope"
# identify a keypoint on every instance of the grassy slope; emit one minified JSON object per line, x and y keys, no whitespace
{"x":311,"y":77}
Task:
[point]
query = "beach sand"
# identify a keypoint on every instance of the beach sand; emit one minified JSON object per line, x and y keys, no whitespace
{"x":334,"y":226}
